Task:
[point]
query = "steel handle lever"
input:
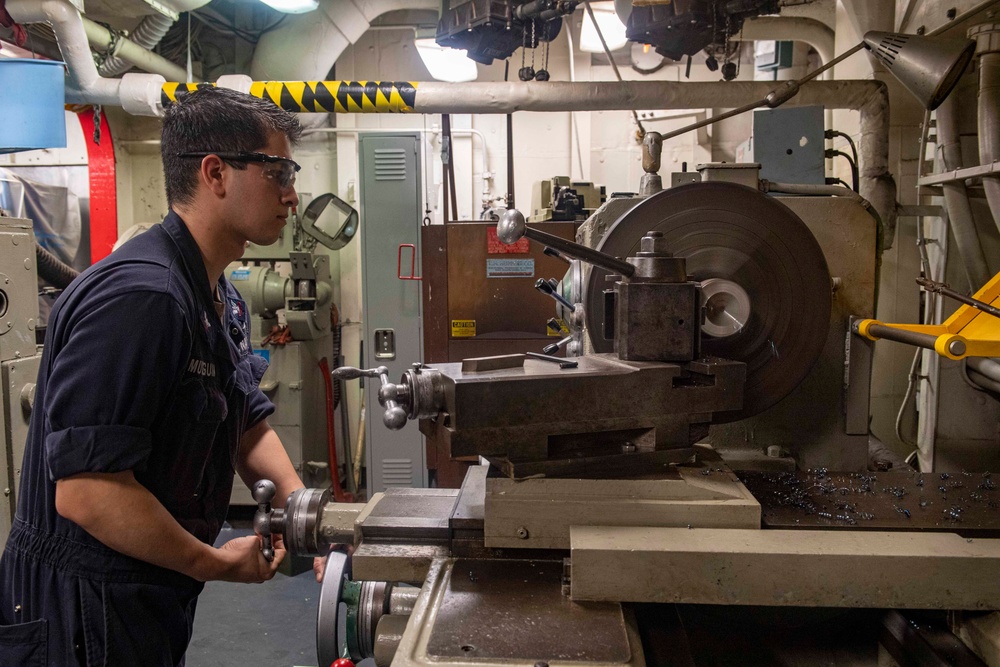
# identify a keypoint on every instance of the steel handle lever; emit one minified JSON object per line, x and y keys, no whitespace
{"x":552,"y":348}
{"x":552,"y":252}
{"x":512,"y":227}
{"x":545,"y":287}
{"x":390,"y":396}
{"x":351,"y":373}
{"x":263,"y":494}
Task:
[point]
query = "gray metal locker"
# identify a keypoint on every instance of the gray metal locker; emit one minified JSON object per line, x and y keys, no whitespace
{"x":390,"y":229}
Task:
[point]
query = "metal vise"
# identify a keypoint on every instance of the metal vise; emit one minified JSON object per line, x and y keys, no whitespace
{"x":653,"y":395}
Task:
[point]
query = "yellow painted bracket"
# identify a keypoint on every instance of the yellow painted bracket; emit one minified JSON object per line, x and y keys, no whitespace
{"x":967,"y":333}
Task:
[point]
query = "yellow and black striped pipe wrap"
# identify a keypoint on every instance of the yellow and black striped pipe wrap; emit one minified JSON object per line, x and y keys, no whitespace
{"x":320,"y":96}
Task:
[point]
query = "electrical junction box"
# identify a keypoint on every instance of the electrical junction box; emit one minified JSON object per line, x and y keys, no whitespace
{"x":788,"y":144}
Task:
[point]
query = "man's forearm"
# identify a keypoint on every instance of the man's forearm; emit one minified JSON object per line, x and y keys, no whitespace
{"x":262,"y":456}
{"x":122,"y":514}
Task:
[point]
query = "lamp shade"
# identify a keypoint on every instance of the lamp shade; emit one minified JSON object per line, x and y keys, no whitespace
{"x":929,"y":67}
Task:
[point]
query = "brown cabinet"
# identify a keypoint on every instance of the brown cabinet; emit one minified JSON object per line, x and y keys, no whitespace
{"x":479,"y":300}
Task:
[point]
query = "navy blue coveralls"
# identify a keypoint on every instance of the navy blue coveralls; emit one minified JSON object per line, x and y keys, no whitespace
{"x":140,"y":373}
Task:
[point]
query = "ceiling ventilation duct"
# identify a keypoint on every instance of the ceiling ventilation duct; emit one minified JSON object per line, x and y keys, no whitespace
{"x":305,"y":46}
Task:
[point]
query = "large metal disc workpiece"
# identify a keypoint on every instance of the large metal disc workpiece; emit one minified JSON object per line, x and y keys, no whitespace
{"x":734,"y":233}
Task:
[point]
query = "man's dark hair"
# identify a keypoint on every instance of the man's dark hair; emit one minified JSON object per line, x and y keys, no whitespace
{"x":216,"y":119}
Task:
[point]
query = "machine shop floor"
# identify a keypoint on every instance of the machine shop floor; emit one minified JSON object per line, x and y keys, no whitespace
{"x":270,"y":624}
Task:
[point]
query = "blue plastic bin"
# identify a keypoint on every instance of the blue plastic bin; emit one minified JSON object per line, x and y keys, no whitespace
{"x":31,"y":104}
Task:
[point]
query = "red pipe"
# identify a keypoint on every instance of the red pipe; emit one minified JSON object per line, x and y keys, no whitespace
{"x":339,"y":494}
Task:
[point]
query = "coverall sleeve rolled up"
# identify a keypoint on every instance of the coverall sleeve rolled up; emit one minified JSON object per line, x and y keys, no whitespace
{"x":113,"y":368}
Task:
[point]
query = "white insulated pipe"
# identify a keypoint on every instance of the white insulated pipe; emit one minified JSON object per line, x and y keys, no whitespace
{"x":870,"y":98}
{"x":305,"y":46}
{"x":956,"y":196}
{"x":792,"y":28}
{"x":136,"y":93}
{"x":75,"y":48}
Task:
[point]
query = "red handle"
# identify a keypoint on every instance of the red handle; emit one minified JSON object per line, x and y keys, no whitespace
{"x":413,"y":262}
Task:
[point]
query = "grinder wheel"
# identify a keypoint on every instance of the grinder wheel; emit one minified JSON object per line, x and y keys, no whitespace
{"x":732,"y":232}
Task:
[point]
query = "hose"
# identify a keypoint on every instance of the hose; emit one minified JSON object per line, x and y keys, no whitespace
{"x":147,"y":35}
{"x":53,"y":270}
{"x":855,"y":177}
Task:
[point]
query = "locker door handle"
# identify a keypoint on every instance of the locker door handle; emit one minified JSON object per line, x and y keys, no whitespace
{"x":413,"y":262}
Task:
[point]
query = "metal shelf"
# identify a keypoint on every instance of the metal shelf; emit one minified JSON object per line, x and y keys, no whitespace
{"x":959,"y":174}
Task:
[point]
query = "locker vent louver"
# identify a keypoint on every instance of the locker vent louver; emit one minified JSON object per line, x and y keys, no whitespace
{"x":390,"y":164}
{"x":397,"y":472}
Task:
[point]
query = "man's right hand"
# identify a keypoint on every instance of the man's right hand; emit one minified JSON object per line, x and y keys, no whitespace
{"x":120,"y":512}
{"x":243,"y":562}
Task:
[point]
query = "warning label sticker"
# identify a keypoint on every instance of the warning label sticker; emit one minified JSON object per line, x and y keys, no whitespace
{"x":510,"y":268}
{"x":463,"y":328}
{"x":494,"y":246}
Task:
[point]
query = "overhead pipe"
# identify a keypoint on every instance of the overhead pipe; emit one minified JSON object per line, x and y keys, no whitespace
{"x":792,"y":28}
{"x":870,"y":98}
{"x":131,"y":53}
{"x":306,"y":46}
{"x":987,"y":38}
{"x":956,"y":196}
{"x":137,"y":93}
{"x":146,"y":94}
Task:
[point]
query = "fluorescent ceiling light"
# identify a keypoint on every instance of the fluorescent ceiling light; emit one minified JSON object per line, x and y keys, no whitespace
{"x":446,"y":64}
{"x":292,"y":6}
{"x":611,"y":27}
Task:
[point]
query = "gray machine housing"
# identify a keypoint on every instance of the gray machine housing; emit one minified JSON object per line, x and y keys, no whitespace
{"x":20,"y":357}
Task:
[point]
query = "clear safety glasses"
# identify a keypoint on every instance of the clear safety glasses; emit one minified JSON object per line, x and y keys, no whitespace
{"x":281,"y":170}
